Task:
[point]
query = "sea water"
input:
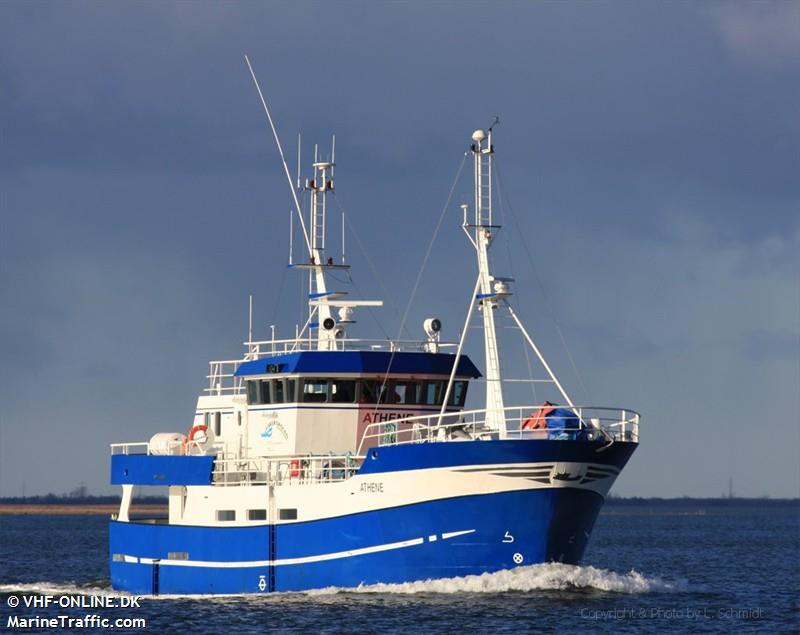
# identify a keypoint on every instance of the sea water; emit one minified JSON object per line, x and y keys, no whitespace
{"x":731,"y":568}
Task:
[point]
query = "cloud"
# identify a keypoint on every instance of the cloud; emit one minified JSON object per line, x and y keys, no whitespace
{"x":652,"y":169}
{"x":763,"y":32}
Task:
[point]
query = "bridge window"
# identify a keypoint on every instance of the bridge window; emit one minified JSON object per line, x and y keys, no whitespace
{"x":370,"y":389}
{"x":226,"y":515}
{"x":252,"y":392}
{"x":264,"y":396}
{"x":291,"y":390}
{"x":256,"y":514}
{"x":458,"y":394}
{"x":407,"y":392}
{"x":433,"y":393}
{"x":343,"y":391}
{"x":315,"y":390}
{"x":271,"y":391}
{"x":278,"y":391}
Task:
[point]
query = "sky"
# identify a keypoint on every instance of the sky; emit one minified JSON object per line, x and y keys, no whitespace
{"x":648,"y":152}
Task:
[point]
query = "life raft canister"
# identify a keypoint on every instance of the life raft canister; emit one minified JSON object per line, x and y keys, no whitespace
{"x":294,"y":468}
{"x":538,"y":420}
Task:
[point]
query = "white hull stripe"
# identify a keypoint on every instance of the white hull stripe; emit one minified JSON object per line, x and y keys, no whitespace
{"x":453,"y":534}
{"x":288,"y":561}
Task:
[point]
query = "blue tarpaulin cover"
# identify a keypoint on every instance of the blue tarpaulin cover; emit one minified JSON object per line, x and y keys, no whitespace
{"x":562,"y":423}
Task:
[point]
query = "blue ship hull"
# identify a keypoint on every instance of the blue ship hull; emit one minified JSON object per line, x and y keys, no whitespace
{"x":458,"y":536}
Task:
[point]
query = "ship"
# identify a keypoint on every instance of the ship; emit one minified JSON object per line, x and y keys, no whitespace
{"x":328,"y":460}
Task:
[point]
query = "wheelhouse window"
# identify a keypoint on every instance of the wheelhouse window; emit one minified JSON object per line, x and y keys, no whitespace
{"x":458,"y":394}
{"x":373,"y":391}
{"x":315,"y":390}
{"x":226,"y":515}
{"x":406,"y":392}
{"x":278,"y":391}
{"x":264,"y":392}
{"x":366,"y":391}
{"x":291,"y":390}
{"x":252,"y":392}
{"x":343,"y":391}
{"x":271,"y":391}
{"x":433,"y":393}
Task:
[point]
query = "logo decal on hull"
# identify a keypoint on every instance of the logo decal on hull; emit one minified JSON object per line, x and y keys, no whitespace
{"x":271,"y":427}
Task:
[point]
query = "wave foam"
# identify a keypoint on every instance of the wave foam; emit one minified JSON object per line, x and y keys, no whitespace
{"x":537,"y":577}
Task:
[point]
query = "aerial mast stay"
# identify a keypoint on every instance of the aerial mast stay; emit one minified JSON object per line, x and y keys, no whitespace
{"x":321,"y":301}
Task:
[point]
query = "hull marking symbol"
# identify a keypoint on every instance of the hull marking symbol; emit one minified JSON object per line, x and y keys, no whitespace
{"x":518,"y":558}
{"x":508,"y":538}
{"x":262,"y":582}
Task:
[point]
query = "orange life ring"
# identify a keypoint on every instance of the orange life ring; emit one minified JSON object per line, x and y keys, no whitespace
{"x":187,"y":440}
{"x":196,"y":429}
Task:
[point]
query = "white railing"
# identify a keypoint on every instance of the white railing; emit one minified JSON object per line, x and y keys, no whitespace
{"x":268,"y":348}
{"x":285,"y":470}
{"x":588,"y":423}
{"x":130,"y":448}
{"x":221,"y":374}
{"x":221,"y":377}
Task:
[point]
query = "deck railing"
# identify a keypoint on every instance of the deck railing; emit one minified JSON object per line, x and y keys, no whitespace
{"x":221,"y":374}
{"x":586,"y":423}
{"x":285,"y":470}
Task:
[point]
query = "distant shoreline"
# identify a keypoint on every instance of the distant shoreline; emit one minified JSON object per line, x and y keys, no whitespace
{"x":79,"y":509}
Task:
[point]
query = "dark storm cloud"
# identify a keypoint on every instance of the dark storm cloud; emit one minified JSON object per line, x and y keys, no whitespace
{"x":648,"y":151}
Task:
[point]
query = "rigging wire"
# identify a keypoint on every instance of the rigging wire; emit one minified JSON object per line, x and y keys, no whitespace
{"x":547,"y":303}
{"x":513,"y":275}
{"x":278,"y":296}
{"x":421,"y":271}
{"x":433,"y":240}
{"x":371,"y":264}
{"x":369,"y":308}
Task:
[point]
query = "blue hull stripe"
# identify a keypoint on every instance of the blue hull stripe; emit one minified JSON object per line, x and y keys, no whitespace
{"x":417,"y":456}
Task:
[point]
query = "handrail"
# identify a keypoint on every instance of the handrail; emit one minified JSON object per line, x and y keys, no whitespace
{"x":285,"y":470}
{"x":615,"y":424}
{"x":292,"y":345}
{"x":222,"y":378}
{"x":291,"y":469}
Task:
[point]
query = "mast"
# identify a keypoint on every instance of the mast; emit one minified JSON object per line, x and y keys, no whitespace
{"x":494,"y":290}
{"x":331,"y":328}
{"x":321,"y":302}
{"x":491,"y":288}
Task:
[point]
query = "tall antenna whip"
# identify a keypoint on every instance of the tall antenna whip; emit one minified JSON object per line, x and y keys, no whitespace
{"x":280,"y":151}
